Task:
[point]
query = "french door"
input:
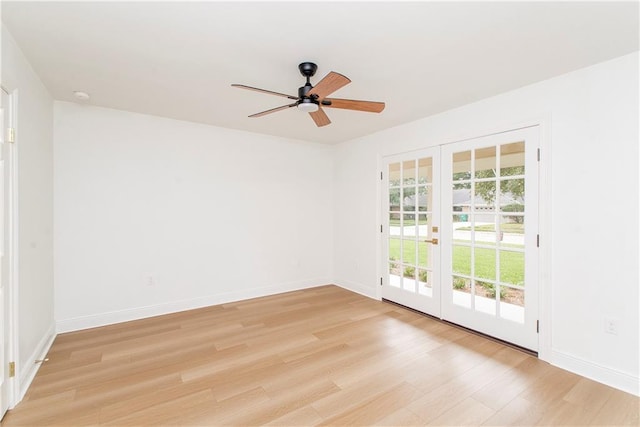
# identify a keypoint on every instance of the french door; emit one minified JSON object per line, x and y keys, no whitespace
{"x":411,"y":214}
{"x":475,"y":241}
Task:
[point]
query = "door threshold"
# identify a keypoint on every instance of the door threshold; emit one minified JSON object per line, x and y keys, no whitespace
{"x":455,"y":325}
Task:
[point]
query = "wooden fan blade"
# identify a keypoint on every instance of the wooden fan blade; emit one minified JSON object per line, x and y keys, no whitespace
{"x":354,"y":104}
{"x":270,"y":92}
{"x":329,"y":84}
{"x":273,"y":110}
{"x":320,"y":117}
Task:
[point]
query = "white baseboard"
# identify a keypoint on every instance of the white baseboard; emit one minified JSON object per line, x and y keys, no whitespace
{"x":356,"y":287}
{"x":27,"y":372}
{"x":109,"y":318}
{"x":593,"y":371}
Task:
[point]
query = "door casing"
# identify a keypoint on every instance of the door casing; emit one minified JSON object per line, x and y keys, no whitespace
{"x":11,"y":297}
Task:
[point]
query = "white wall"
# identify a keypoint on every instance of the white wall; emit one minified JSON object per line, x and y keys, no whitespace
{"x":590,"y":121}
{"x":212,"y":214}
{"x":34,"y":153}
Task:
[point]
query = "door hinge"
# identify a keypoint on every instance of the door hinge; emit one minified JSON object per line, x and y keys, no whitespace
{"x":381,"y":228}
{"x":11,"y":135}
{"x":12,"y":369}
{"x":381,"y":281}
{"x":538,"y":154}
{"x":537,"y":240}
{"x":380,"y":176}
{"x":537,"y":326}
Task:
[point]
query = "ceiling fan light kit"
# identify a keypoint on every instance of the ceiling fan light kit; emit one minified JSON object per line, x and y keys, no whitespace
{"x":310,"y":98}
{"x":308,"y":106}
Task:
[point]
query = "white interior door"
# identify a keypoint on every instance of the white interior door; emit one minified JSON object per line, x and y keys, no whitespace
{"x":460,"y":228}
{"x":410,"y":230}
{"x":5,"y":116}
{"x":489,"y":233}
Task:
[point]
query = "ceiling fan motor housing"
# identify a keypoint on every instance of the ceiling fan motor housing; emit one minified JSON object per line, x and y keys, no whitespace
{"x":304,"y":90}
{"x":305,"y":102}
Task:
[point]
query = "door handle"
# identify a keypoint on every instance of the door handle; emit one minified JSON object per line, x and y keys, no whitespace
{"x":433,"y":241}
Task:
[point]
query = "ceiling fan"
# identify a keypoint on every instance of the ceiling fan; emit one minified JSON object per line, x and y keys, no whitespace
{"x":311,"y":98}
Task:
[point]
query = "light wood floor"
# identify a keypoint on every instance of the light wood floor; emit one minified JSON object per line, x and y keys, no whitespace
{"x":323,"y":356}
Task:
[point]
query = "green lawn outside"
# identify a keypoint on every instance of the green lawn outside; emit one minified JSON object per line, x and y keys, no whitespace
{"x":511,"y":263}
{"x":396,"y":222}
{"x":408,"y":251}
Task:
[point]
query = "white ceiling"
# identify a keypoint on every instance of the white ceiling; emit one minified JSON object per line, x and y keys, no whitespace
{"x":178,"y":60}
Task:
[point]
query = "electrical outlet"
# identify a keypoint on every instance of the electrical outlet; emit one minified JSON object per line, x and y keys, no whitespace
{"x":150,"y":280}
{"x":611,"y":326}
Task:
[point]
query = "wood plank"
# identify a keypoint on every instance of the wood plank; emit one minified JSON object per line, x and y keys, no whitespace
{"x":621,"y":409}
{"x":373,"y":410}
{"x":468,"y":412}
{"x":518,"y":412}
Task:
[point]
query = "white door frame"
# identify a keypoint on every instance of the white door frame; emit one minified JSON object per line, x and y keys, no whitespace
{"x":543,"y":121}
{"x":12,"y":252}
